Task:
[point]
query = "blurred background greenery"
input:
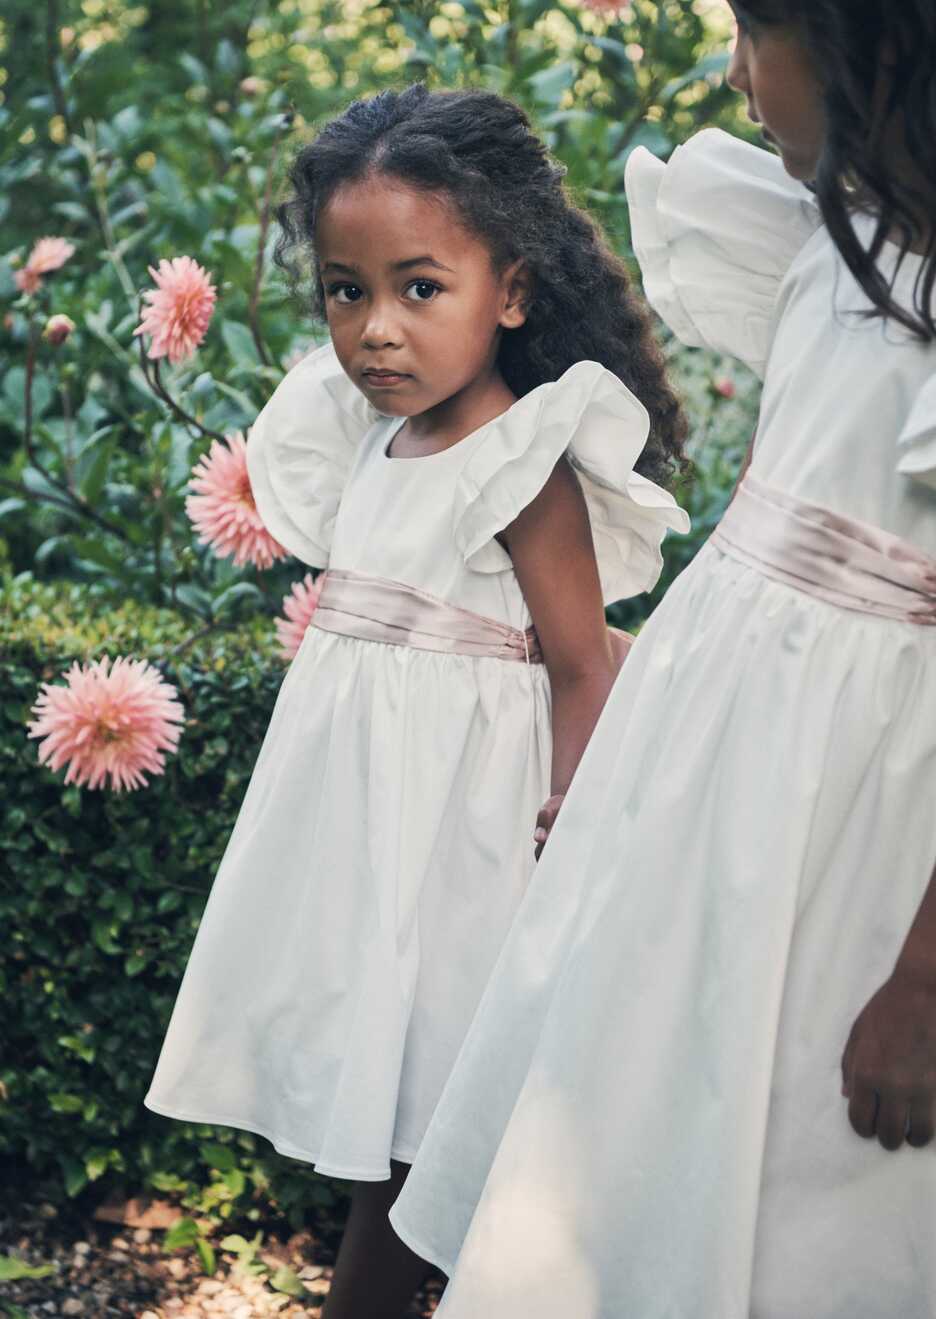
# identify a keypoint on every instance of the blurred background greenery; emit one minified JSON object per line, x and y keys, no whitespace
{"x":147,"y":131}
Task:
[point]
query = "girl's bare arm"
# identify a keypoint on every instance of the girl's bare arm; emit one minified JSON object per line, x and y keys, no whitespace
{"x":551,"y":546}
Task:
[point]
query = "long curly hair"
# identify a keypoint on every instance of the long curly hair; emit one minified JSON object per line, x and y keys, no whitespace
{"x":480,"y":151}
{"x":875,"y":60}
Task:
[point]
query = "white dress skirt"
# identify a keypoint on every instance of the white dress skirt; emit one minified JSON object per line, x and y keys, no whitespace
{"x":385,"y":840}
{"x":646,"y":1119}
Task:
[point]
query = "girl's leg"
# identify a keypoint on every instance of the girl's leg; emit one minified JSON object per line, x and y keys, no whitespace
{"x":376,"y":1276}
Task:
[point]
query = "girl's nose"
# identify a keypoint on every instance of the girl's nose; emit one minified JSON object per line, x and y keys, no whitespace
{"x":380,"y":330}
{"x":736,"y":74}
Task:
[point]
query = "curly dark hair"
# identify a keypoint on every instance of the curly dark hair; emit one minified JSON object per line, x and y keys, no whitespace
{"x":480,"y":150}
{"x":875,"y":60}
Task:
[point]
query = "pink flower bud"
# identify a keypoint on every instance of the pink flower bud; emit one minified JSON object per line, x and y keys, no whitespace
{"x":724,"y":386}
{"x":253,"y":86}
{"x":57,"y":329}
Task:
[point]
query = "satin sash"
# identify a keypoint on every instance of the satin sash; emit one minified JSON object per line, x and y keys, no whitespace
{"x":373,"y":609}
{"x":851,"y":564}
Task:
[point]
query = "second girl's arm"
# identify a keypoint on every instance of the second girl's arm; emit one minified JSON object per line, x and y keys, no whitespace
{"x":551,"y":546}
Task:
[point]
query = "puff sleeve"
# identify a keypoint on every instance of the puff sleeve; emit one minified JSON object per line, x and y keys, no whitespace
{"x":916,"y":446}
{"x":595,"y":420}
{"x":300,"y":451}
{"x":715,"y":231}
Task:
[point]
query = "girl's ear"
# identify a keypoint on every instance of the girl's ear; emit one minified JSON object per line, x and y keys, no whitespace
{"x":517,"y":285}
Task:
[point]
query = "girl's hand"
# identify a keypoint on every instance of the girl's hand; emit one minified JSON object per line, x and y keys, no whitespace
{"x":545,"y":820}
{"x":889,"y":1064}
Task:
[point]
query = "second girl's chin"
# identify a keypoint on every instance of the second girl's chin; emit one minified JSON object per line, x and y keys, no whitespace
{"x":799,"y":165}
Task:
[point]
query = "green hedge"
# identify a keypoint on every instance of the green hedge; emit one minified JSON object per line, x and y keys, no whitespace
{"x":99,"y":901}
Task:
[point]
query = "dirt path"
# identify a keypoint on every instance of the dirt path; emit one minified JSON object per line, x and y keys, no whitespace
{"x":100,"y":1271}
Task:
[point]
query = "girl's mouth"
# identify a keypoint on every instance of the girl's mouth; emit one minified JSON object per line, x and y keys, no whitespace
{"x":385,"y":378}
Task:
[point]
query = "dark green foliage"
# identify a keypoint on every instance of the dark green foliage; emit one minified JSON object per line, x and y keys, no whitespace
{"x":100,"y":897}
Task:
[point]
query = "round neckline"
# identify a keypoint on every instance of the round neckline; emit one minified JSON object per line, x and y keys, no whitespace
{"x":441,"y":453}
{"x":417,"y":457}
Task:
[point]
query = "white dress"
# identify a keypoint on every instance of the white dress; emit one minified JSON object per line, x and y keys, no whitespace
{"x":385,"y":839}
{"x":645,"y":1121}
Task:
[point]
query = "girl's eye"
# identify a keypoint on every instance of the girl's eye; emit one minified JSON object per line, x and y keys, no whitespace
{"x":422,"y":290}
{"x":344,"y":293}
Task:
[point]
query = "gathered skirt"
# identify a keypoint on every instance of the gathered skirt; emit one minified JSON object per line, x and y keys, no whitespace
{"x":381,"y":852}
{"x":646,"y":1119}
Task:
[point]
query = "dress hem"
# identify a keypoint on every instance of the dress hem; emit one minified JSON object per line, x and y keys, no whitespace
{"x":419,"y":1248}
{"x":285,"y":1148}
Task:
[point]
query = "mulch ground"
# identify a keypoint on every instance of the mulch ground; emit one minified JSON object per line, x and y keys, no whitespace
{"x":101,"y":1269}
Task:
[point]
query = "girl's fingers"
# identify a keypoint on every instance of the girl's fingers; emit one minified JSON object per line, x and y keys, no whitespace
{"x":891,"y":1122}
{"x":846,"y":1069}
{"x":862,"y":1109}
{"x":920,"y":1126}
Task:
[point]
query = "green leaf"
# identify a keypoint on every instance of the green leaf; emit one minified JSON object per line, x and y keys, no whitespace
{"x":712,"y":66}
{"x":96,"y":1164}
{"x":221,"y":1157}
{"x":236,"y":1244}
{"x":75,"y":1177}
{"x":287,"y":1280}
{"x":206,"y":1255}
{"x":65,"y":1103}
{"x":547,"y":87}
{"x":94,"y":551}
{"x":236,"y":1182}
{"x":239,"y":342}
{"x":13,"y":1311}
{"x":12,"y":1269}
{"x":230,"y":596}
{"x":123,"y":906}
{"x":93,"y":483}
{"x":181,"y":1235}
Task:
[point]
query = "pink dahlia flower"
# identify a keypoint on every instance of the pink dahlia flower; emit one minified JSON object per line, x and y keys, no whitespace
{"x":109,"y":721}
{"x":180,"y":308}
{"x":222,"y":508}
{"x":298,"y":606}
{"x":48,"y":254}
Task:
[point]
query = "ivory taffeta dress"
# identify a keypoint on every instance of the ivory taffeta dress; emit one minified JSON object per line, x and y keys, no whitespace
{"x":385,"y":840}
{"x":646,"y":1118}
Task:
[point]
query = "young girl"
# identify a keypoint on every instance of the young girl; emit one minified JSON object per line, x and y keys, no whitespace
{"x":724,"y":973}
{"x":461,"y":458}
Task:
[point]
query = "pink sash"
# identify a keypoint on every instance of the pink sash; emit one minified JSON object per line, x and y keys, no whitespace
{"x":834,"y":558}
{"x":374,"y":609}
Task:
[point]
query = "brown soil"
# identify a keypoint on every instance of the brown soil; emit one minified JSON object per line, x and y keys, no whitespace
{"x":101,"y":1270}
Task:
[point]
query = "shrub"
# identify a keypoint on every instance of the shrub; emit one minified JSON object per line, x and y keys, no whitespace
{"x":100,"y":898}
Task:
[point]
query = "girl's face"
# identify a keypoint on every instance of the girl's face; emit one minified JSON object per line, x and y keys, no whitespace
{"x":414,"y":305}
{"x":771,"y":67}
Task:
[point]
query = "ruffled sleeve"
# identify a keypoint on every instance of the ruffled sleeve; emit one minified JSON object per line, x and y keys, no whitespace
{"x":595,"y":420}
{"x":715,"y":231}
{"x":916,"y":447}
{"x":300,"y":451}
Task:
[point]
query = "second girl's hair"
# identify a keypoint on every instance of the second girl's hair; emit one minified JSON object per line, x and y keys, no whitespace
{"x":479,"y":150}
{"x":876,"y":64}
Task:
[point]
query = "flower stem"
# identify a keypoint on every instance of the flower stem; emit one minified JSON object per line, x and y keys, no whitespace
{"x":151,"y":372}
